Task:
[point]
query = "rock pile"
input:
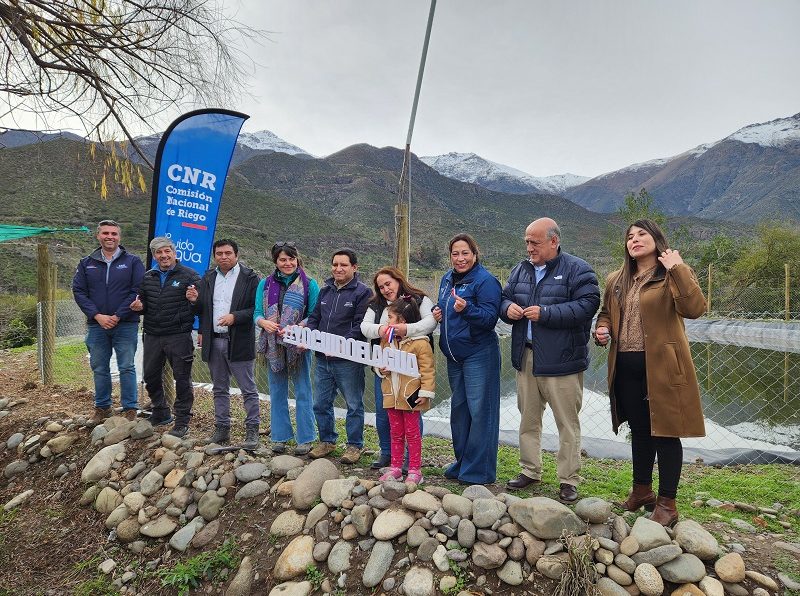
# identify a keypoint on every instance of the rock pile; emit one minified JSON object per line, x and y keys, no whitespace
{"x":147,"y":487}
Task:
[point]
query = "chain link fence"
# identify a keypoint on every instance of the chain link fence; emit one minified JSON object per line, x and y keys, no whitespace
{"x":748,"y":366}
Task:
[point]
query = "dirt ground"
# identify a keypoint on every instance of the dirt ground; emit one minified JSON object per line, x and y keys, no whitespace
{"x":52,"y":546}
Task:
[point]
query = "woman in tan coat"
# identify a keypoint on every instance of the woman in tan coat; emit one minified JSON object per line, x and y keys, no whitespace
{"x":651,"y":376}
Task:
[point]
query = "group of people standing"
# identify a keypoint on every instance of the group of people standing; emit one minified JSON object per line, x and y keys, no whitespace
{"x":550,"y":300}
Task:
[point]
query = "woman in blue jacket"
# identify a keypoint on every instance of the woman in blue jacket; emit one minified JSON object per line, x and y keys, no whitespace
{"x":467,"y":310}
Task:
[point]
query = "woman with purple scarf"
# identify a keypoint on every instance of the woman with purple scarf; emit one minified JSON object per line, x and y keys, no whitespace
{"x":285,"y":298}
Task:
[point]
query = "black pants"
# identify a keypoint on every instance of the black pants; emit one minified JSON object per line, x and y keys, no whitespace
{"x":630,"y":392}
{"x":179,"y":349}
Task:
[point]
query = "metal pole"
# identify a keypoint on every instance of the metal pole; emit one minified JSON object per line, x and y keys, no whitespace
{"x":708,"y":298}
{"x":402,"y":210}
{"x":421,"y":72}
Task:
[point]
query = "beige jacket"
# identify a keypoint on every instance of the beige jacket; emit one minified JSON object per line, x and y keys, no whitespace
{"x":397,"y":387}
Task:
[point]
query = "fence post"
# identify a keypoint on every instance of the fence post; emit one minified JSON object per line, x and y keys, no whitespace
{"x":47,"y":309}
{"x":787,"y":316}
{"x":708,"y":294}
{"x":786,"y":287}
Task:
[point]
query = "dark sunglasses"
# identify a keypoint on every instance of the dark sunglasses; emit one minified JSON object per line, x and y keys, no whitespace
{"x":279,"y":245}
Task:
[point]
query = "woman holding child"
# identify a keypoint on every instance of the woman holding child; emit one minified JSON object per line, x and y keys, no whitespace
{"x":391,"y":285}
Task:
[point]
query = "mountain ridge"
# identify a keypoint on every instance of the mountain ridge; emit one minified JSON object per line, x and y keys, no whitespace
{"x":750,"y":175}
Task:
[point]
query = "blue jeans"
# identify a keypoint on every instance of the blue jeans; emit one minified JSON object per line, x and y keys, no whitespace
{"x":280,"y":421}
{"x":330,"y":377}
{"x":475,"y":415}
{"x":382,"y":422}
{"x":122,"y":339}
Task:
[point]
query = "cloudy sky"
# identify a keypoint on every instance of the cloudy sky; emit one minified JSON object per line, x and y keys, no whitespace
{"x":547,"y":87}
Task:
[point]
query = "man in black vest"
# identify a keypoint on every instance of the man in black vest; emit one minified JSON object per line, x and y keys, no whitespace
{"x":168,"y":320}
{"x":225,"y":300}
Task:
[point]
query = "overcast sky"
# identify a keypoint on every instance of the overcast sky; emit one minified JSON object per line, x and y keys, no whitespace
{"x":547,"y":87}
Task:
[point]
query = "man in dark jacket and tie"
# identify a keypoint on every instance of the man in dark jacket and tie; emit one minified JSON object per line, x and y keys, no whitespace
{"x":225,"y":299}
{"x":168,"y":321}
{"x":549,"y":300}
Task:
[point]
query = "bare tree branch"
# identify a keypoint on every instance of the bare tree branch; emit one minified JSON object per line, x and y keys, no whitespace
{"x":119,"y":63}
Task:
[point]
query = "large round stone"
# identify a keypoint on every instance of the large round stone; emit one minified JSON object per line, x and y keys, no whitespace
{"x":163,"y":526}
{"x":730,"y":568}
{"x":391,"y":523}
{"x":295,"y":558}
{"x":684,"y":569}
{"x":307,"y":487}
{"x":695,"y":539}
{"x":287,"y":523}
{"x":546,"y":518}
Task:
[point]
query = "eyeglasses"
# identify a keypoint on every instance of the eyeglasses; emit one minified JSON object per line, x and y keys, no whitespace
{"x":279,"y":245}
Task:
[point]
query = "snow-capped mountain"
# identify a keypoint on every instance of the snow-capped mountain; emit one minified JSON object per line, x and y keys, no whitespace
{"x":265,"y":140}
{"x":249,"y":144}
{"x":775,"y":133}
{"x":469,"y":167}
{"x":752,"y":174}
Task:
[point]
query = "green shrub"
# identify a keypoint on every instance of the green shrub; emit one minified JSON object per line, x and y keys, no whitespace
{"x":17,"y":320}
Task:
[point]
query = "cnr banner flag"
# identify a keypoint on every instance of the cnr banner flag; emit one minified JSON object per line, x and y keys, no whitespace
{"x":190,"y":170}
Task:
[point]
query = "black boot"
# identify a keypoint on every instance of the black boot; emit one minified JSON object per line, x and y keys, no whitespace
{"x":221,"y":436}
{"x":251,"y":440}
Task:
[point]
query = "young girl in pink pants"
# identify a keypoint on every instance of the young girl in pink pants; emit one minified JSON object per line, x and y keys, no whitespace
{"x":405,"y":397}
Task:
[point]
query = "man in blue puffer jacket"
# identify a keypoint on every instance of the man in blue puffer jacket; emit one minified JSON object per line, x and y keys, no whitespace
{"x":549,"y":300}
{"x":105,"y":284}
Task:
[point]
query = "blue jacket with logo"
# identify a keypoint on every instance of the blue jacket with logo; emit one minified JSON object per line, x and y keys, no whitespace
{"x":568,"y":296}
{"x":340,"y":311}
{"x":461,"y":334}
{"x":96,"y":296}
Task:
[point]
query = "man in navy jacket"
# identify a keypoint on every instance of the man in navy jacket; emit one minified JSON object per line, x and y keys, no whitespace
{"x":549,"y":300}
{"x":340,"y":309}
{"x":104,"y":285}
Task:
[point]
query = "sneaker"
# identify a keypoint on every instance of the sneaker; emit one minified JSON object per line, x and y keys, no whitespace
{"x":391,"y":474}
{"x":352,"y":454}
{"x":279,"y":447}
{"x":414,"y":476}
{"x":162,"y":421}
{"x":130,"y":414}
{"x":100,"y":414}
{"x":302,"y":449}
{"x":179,"y":431}
{"x":322,"y":450}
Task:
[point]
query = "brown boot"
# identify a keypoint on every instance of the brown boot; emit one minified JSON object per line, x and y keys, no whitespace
{"x":100,"y":414}
{"x":641,"y":495}
{"x":665,"y":512}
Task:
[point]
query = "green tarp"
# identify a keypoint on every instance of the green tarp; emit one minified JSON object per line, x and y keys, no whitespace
{"x":8,"y":232}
